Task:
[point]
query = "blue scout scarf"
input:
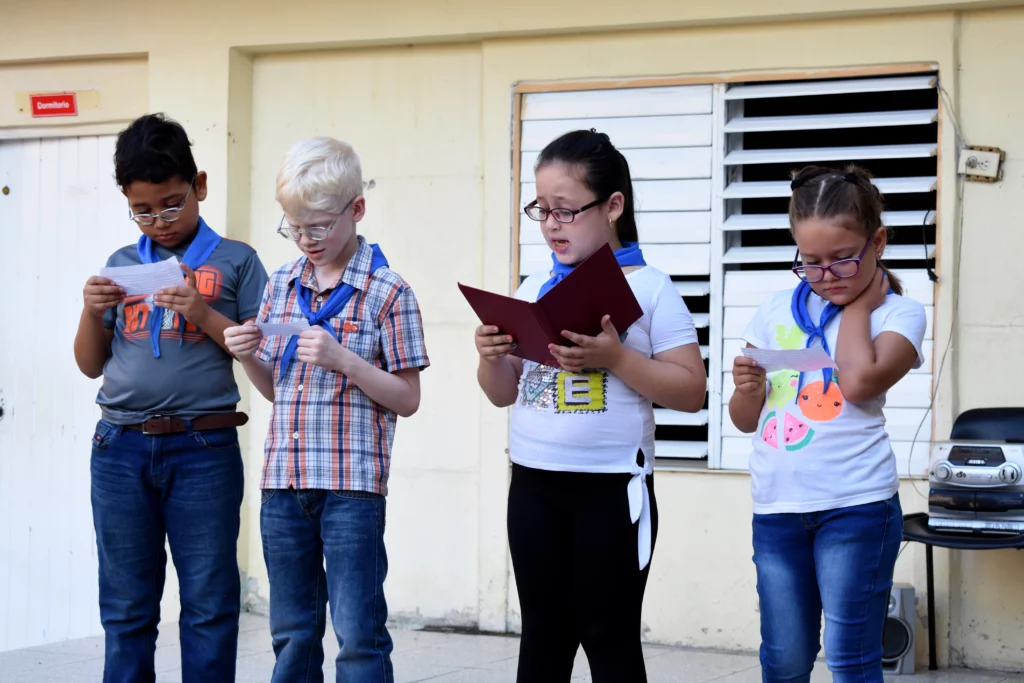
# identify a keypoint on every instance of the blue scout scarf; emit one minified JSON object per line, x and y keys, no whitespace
{"x":332,"y":306}
{"x":205,"y":241}
{"x":803,"y":319}
{"x":628,"y":255}
{"x":798,"y":306}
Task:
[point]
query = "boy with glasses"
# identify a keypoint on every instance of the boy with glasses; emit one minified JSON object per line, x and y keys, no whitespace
{"x":165,"y":457}
{"x":338,"y":388}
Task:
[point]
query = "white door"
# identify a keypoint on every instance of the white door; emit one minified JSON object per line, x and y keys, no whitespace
{"x":61,"y":215}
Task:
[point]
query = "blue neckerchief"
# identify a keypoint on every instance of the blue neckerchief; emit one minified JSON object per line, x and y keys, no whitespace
{"x":628,"y":255}
{"x":205,"y":241}
{"x":798,"y":306}
{"x":332,"y":306}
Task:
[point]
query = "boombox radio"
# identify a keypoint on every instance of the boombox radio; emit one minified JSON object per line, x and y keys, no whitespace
{"x":977,"y":483}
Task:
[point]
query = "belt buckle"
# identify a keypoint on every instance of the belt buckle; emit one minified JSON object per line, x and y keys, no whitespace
{"x":164,"y":421}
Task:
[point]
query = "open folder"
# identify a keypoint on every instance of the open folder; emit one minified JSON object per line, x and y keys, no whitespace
{"x":595,"y":288}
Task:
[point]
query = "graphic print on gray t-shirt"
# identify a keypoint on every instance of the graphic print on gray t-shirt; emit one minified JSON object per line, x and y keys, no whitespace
{"x":193,"y":376}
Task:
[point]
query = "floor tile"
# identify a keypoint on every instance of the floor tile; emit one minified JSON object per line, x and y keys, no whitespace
{"x":21,"y":666}
{"x":422,"y":657}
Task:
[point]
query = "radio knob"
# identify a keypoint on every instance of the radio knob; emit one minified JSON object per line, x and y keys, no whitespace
{"x":943,"y":472}
{"x":1009,"y":473}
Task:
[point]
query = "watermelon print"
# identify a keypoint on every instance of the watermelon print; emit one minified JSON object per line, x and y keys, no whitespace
{"x":797,"y":434}
{"x":770,"y":430}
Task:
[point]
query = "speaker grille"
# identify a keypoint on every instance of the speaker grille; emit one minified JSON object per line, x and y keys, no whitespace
{"x":896,"y":640}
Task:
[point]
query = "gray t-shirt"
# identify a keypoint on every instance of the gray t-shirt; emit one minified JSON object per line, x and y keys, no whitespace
{"x":193,"y":376}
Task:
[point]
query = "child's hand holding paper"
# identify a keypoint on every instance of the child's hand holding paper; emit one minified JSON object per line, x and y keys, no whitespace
{"x":146,"y":278}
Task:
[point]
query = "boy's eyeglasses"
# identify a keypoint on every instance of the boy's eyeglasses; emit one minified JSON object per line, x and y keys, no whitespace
{"x":167,"y":215}
{"x":843,"y":269}
{"x":538,"y":213}
{"x":316,"y":233}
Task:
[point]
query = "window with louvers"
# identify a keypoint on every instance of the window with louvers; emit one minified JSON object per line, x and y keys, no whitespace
{"x":711,"y":168}
{"x":666,"y":135}
{"x":888,"y":126}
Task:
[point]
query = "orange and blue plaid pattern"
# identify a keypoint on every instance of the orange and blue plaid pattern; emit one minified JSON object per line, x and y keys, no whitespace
{"x":325,"y":433}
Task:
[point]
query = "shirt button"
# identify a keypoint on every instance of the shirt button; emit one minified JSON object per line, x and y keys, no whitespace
{"x":300,"y":387}
{"x":295,"y":436}
{"x":319,"y":299}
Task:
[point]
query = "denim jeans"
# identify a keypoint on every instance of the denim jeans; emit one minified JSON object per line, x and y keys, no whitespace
{"x":837,"y":561}
{"x":300,"y":529}
{"x":186,"y":488}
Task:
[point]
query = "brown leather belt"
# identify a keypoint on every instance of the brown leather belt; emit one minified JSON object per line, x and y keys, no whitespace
{"x":157,"y":426}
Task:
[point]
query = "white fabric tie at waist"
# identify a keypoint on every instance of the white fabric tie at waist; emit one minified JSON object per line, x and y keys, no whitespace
{"x":640,"y":510}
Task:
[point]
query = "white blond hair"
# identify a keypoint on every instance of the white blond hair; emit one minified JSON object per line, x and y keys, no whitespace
{"x":319,"y":175}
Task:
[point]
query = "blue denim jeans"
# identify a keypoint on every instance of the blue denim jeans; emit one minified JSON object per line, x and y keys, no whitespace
{"x":837,"y":561}
{"x":186,"y":488}
{"x":300,"y":530}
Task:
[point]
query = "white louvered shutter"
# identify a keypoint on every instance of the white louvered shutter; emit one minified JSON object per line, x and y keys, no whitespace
{"x":666,"y":135}
{"x":888,"y":126}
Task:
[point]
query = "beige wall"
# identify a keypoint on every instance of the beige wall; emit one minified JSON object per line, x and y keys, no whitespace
{"x":426,"y":99}
{"x":987,"y":616}
{"x":107,"y":90}
{"x":414,"y":116}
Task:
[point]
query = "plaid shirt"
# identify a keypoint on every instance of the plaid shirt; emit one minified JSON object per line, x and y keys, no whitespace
{"x":325,"y":433}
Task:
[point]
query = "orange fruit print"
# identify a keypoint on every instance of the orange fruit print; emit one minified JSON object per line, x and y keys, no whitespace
{"x":818,"y":405}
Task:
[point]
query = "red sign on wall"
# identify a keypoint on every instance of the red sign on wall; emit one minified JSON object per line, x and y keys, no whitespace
{"x":61,"y":104}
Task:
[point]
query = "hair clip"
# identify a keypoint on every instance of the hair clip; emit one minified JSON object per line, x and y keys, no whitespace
{"x":797,"y":183}
{"x":851,"y":178}
{"x":369,"y":185}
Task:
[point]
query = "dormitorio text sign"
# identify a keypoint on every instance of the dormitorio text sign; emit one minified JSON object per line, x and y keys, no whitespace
{"x":61,"y":104}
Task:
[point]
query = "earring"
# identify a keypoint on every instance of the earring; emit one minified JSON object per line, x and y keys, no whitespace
{"x":611,"y":224}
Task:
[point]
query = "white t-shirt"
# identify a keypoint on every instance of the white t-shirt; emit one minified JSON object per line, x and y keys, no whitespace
{"x":815,"y":451}
{"x":592,"y":421}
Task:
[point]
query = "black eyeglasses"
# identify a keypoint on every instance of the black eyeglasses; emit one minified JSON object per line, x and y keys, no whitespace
{"x":538,"y":213}
{"x":842,"y":269}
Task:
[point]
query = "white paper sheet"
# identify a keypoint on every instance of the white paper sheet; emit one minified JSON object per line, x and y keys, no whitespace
{"x":801,"y":360}
{"x":146,"y":278}
{"x":283,"y":329}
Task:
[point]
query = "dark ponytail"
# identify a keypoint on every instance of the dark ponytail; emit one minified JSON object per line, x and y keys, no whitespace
{"x":604,"y":171}
{"x":820,"y":192}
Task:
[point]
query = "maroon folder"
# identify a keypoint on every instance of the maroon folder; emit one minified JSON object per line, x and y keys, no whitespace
{"x":595,"y":288}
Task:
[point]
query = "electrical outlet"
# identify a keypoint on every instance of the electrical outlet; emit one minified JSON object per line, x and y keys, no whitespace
{"x":981,"y":163}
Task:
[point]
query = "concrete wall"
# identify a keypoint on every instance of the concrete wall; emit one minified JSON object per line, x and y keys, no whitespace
{"x":986,"y":590}
{"x":425,"y":96}
{"x":413,"y":114}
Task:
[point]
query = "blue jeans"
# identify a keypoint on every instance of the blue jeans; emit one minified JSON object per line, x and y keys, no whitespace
{"x":187,"y":488}
{"x":300,"y":529}
{"x":840,"y":561}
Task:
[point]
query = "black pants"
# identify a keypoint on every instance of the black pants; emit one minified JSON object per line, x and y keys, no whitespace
{"x":574,"y":551}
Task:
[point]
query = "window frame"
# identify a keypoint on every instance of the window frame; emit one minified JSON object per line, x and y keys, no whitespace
{"x":719,"y":82}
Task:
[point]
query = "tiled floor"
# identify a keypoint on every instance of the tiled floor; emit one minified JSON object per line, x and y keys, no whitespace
{"x":419,"y":656}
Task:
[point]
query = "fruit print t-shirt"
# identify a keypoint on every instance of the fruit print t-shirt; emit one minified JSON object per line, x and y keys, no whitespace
{"x":814,"y":450}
